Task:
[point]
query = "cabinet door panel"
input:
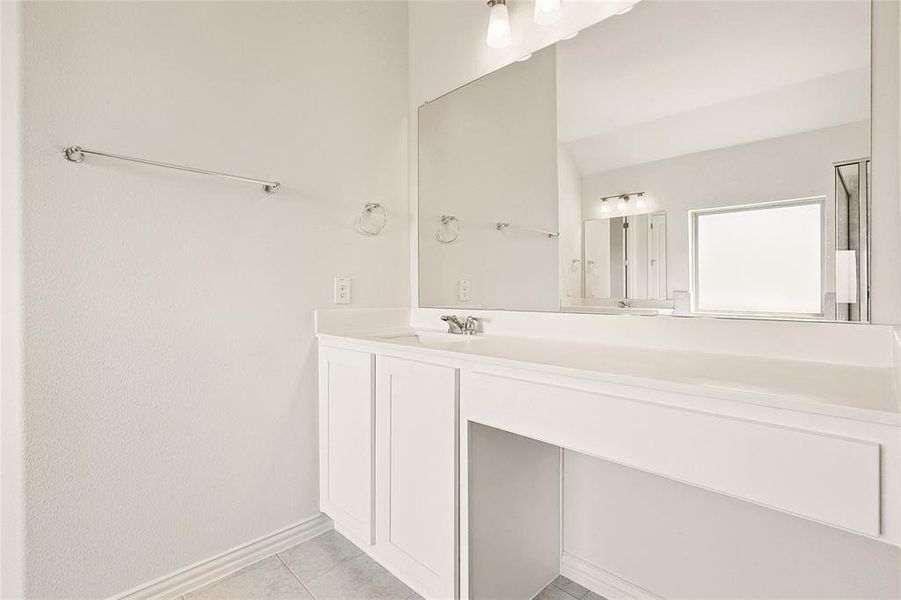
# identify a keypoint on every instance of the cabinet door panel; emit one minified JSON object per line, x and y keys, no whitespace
{"x":416,"y":452}
{"x":346,"y":463}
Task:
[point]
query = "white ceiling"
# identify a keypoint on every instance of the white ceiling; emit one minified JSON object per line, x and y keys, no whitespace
{"x":673,"y":77}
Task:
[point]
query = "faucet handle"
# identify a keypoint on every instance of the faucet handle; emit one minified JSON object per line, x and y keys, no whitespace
{"x":471,"y":326}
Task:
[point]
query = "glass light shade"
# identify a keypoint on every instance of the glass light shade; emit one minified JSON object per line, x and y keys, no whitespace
{"x":547,"y":12}
{"x":639,"y":202}
{"x":604,"y":206}
{"x":621,"y":203}
{"x":499,"y":35}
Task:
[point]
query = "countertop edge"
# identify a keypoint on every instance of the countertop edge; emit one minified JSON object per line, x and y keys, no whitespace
{"x":708,"y":391}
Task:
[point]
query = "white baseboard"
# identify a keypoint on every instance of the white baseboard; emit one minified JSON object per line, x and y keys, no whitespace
{"x":601,"y":582}
{"x":215,"y":568}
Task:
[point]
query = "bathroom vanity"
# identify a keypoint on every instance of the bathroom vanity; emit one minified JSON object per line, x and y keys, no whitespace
{"x":418,"y":464}
{"x":700,"y":195}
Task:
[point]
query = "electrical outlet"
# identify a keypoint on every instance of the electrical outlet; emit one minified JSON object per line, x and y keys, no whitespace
{"x":342,"y":290}
{"x":463,"y":291}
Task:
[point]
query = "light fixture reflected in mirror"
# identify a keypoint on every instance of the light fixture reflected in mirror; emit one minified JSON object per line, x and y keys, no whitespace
{"x":547,"y":12}
{"x":499,"y":34}
{"x":623,"y":201}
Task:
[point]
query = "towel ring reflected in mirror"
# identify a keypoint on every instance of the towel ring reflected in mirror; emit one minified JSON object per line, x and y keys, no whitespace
{"x":448,"y":230}
{"x":373,"y":219}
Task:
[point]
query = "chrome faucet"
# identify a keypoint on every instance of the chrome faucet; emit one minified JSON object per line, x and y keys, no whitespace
{"x":453,"y":324}
{"x":468,"y":326}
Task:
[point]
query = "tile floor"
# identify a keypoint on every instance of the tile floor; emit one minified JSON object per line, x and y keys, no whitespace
{"x":565,"y":589}
{"x":330,"y":567}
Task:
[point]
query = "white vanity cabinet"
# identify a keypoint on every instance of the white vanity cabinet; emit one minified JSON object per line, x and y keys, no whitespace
{"x":388,"y":461}
{"x":346,"y":437}
{"x":416,"y":466}
{"x":442,"y":456}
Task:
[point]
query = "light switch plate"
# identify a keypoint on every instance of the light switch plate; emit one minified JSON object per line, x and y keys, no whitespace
{"x":464,"y":291}
{"x":342,"y":290}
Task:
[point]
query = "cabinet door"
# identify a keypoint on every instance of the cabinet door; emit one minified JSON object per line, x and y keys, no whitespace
{"x":416,"y":450}
{"x":346,"y":428}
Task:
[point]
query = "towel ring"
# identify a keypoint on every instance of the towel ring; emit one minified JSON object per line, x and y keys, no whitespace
{"x":445,"y":233}
{"x":369,"y":212}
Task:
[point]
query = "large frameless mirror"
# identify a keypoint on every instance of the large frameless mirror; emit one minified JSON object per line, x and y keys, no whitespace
{"x":702,"y":158}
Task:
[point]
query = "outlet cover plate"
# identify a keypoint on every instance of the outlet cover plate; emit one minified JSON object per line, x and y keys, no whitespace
{"x":342,"y":290}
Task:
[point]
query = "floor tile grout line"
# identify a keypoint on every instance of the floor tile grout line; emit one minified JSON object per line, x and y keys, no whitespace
{"x":574,"y":597}
{"x":293,"y":574}
{"x":278,"y":555}
{"x":359,"y":553}
{"x":567,"y":592}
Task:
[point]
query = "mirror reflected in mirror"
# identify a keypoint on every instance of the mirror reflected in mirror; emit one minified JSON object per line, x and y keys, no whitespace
{"x":718,"y":167}
{"x":625,"y":262}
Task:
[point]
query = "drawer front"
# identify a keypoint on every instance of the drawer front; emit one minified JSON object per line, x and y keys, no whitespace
{"x":819,"y":476}
{"x":346,"y":430}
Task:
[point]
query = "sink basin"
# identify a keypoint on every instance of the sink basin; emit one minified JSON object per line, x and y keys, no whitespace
{"x":426,"y":338}
{"x":614,"y":310}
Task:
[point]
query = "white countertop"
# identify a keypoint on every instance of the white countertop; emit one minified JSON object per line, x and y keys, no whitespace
{"x":850,"y":391}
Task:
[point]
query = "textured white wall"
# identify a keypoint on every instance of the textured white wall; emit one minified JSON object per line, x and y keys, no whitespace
{"x":885,"y":208}
{"x":11,"y":477}
{"x":169,"y":358}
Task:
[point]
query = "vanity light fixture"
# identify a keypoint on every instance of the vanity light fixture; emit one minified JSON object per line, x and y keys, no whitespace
{"x":547,"y":12}
{"x":499,"y":34}
{"x":622,"y":201}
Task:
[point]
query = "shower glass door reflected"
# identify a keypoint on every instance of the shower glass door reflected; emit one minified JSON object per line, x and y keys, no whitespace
{"x":851,"y":300}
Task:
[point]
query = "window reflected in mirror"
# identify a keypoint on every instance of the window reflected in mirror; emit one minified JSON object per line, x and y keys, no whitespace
{"x":760,"y":259}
